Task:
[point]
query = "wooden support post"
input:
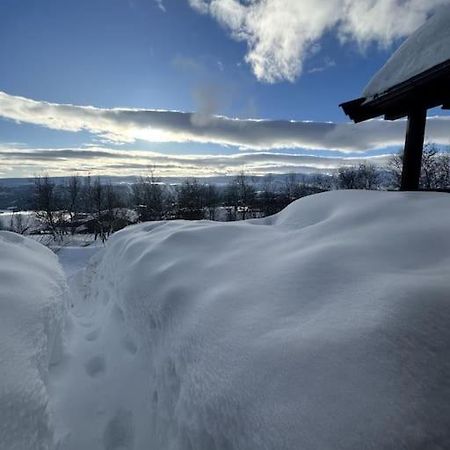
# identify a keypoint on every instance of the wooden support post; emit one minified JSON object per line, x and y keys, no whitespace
{"x":412,"y":156}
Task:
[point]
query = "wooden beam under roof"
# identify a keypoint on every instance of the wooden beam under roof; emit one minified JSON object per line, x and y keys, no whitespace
{"x":411,"y":98}
{"x":429,"y":89}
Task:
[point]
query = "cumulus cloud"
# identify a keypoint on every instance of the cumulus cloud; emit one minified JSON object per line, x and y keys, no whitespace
{"x":129,"y":125}
{"x":281,"y":34}
{"x":104,"y":161}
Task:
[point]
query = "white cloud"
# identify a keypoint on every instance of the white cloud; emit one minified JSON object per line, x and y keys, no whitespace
{"x":280,"y":34}
{"x":161,"y":5}
{"x":103,"y":161}
{"x":326,"y":64}
{"x":129,"y":125}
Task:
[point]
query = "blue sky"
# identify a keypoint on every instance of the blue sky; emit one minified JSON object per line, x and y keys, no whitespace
{"x":177,"y":55}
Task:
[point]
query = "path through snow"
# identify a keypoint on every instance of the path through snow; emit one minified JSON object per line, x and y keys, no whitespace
{"x":97,"y":389}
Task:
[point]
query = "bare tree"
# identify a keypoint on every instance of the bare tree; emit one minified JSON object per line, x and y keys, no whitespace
{"x":323,"y":182}
{"x":46,"y":205}
{"x":191,"y":200}
{"x":395,"y":165}
{"x":365,"y":176}
{"x":348,"y":178}
{"x":231,"y":197}
{"x":428,"y":179}
{"x":435,"y":173}
{"x":105,"y":212}
{"x":73,"y":194}
{"x":98,"y":202}
{"x":369,"y":176}
{"x":114,"y":215}
{"x":269,"y":197}
{"x":241,"y":194}
{"x":443,"y":171}
{"x":290,"y":187}
{"x":212,"y":199}
{"x":149,"y":198}
{"x":20,"y":223}
{"x":87,"y":195}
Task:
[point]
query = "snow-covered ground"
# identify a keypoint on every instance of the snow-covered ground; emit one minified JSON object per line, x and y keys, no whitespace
{"x":32,"y":309}
{"x":74,"y":251}
{"x":10,"y":219}
{"x":323,"y":327}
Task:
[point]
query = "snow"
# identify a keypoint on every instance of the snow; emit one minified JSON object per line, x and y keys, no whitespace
{"x":25,"y":219}
{"x":32,"y":303}
{"x":99,"y":392}
{"x":323,"y":327}
{"x":75,"y":253}
{"x":426,"y":48}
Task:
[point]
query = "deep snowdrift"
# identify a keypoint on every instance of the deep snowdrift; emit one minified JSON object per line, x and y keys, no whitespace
{"x":324,"y":327}
{"x":426,"y":48}
{"x":32,"y":299}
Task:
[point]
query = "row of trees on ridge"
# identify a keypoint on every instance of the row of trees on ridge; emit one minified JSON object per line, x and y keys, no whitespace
{"x":92,"y":206}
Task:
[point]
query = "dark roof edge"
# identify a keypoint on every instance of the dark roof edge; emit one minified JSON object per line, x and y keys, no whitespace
{"x":395,"y":102}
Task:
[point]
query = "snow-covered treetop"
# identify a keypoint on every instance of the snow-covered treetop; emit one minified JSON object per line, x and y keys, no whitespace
{"x":426,"y":48}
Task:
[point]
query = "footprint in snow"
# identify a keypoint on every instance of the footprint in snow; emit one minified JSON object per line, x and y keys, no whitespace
{"x":117,"y":314}
{"x":129,"y":345}
{"x":119,"y":431}
{"x":95,"y":366}
{"x":93,"y":335}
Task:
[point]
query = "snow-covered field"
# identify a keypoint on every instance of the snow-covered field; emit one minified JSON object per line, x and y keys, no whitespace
{"x":324,"y":327}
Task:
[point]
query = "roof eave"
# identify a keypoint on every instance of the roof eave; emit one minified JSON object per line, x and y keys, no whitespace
{"x":426,"y":90}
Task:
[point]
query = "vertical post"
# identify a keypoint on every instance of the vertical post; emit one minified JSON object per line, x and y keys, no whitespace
{"x":412,"y":156}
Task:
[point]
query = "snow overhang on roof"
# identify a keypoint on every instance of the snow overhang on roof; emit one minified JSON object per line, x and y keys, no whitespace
{"x":416,"y":76}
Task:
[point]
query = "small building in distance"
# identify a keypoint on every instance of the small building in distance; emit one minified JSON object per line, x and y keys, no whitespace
{"x":416,"y":78}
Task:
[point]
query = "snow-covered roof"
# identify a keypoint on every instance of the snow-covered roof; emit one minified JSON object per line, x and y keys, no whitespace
{"x":425,"y":49}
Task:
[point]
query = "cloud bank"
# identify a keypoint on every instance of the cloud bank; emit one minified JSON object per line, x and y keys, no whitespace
{"x":281,"y":34}
{"x":27,"y":162}
{"x":128,"y":125}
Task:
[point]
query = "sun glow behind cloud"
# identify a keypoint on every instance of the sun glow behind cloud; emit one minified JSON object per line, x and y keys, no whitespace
{"x":257,"y":146}
{"x":130,"y":125}
{"x":27,"y":162}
